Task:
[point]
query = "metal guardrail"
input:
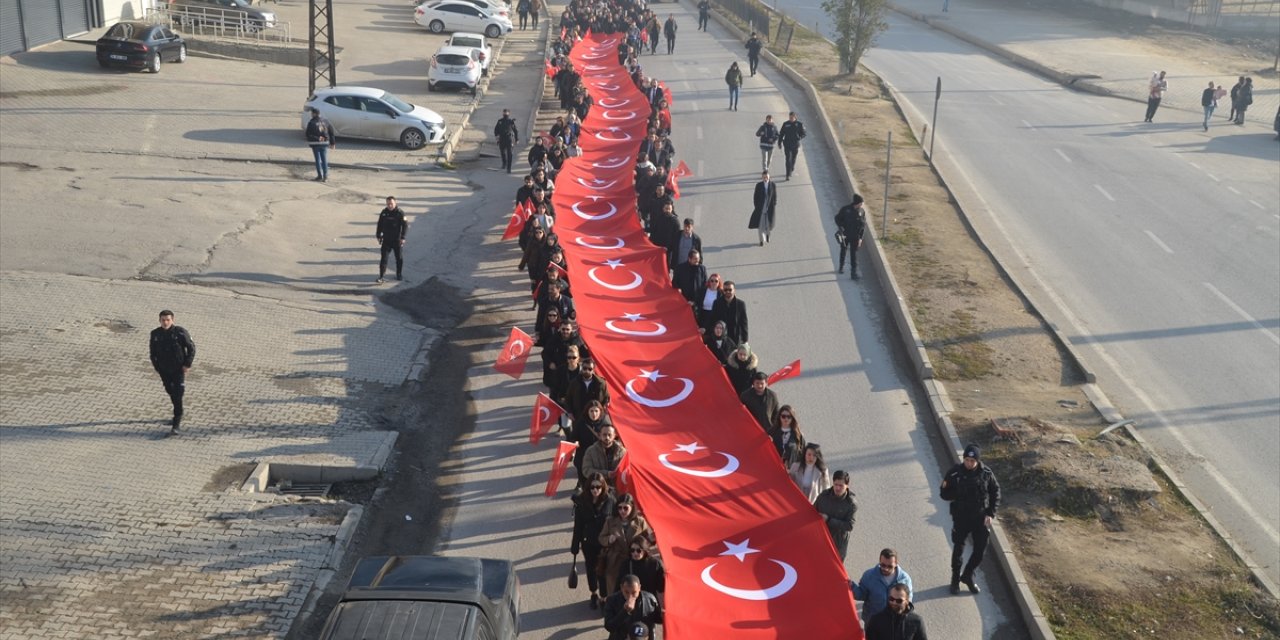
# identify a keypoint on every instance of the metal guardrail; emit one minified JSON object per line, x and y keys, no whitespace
{"x":756,"y":15}
{"x":218,"y":23}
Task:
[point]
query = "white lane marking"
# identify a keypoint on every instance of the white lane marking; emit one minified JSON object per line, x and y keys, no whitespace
{"x":1160,"y":243}
{"x":699,"y":130}
{"x":1062,"y":155}
{"x":1028,"y":125}
{"x":1243,"y":314}
{"x":1233,"y":190}
{"x":1213,"y":177}
{"x":1193,"y":164}
{"x":1255,"y":203}
{"x":1103,"y":192}
{"x":997,"y":101}
{"x":693,"y":106}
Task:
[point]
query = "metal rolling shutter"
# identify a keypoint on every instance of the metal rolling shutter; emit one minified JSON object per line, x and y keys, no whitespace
{"x":11,"y":40}
{"x":75,"y":17}
{"x":41,"y":22}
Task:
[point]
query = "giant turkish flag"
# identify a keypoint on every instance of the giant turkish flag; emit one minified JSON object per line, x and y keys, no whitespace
{"x":747,"y":556}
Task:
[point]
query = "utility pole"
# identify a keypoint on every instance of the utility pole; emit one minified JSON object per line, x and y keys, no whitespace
{"x":320,"y":27}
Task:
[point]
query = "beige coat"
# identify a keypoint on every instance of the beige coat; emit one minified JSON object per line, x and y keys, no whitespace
{"x":616,"y":540}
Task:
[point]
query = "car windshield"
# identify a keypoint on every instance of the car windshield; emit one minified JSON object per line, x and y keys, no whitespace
{"x":124,"y":31}
{"x":452,"y":58}
{"x":467,"y":42}
{"x":400,"y":105}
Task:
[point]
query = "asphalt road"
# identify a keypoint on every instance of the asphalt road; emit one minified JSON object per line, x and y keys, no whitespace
{"x":854,"y":398}
{"x":1154,"y":247}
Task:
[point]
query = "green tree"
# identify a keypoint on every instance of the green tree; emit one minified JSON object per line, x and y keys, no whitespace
{"x":857,"y":23}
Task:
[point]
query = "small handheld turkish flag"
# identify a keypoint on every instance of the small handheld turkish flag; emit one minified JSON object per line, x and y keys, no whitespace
{"x":514,"y":354}
{"x":790,"y":371}
{"x":564,"y":455}
{"x":546,"y":414}
{"x":666,"y":93}
{"x":682,"y":170}
{"x":550,"y":69}
{"x":622,"y":476}
{"x":673,"y":186}
{"x":518,"y":217}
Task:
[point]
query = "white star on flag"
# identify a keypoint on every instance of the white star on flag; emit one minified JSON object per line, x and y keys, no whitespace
{"x":692,"y":447}
{"x":740,"y":550}
{"x":633,"y":316}
{"x":651,"y":376}
{"x":613,"y":263}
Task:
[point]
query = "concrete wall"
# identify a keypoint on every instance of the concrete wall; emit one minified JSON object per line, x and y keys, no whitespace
{"x":1180,"y":11}
{"x":114,"y":11}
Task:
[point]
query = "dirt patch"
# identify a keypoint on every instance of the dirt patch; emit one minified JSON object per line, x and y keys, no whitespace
{"x":1110,"y":550}
{"x":229,"y":478}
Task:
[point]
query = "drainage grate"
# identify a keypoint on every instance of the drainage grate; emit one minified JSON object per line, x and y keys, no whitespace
{"x":305,"y":489}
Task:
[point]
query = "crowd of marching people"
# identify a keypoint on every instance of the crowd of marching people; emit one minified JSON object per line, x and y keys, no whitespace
{"x":623,"y":566}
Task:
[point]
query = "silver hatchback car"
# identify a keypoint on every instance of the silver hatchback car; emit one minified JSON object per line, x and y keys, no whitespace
{"x":374,"y":114}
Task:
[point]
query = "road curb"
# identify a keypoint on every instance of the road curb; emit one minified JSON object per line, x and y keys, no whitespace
{"x":347,"y":530}
{"x":939,"y":402}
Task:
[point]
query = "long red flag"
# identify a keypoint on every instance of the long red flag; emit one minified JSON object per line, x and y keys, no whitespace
{"x":564,"y":456}
{"x":514,"y":353}
{"x":790,"y":371}
{"x":546,"y":414}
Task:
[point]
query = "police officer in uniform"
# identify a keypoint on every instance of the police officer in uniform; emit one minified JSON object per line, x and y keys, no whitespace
{"x":851,"y":222}
{"x":392,"y":228}
{"x":974,"y":494}
{"x":172,"y":352}
{"x":789,"y":136}
{"x":508,"y":136}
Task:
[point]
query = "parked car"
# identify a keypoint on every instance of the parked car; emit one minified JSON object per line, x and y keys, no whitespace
{"x":454,"y":67}
{"x":226,"y":13}
{"x":492,"y":6}
{"x":477,"y":44}
{"x":428,"y":598}
{"x":458,"y":15}
{"x":374,"y":114}
{"x":140,"y":45}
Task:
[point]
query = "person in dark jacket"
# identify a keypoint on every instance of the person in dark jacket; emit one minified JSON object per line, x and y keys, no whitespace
{"x":720,"y":345}
{"x":974,"y":494}
{"x":760,"y":400}
{"x":765,"y":199}
{"x":838,"y":508}
{"x":642,"y":564}
{"x":591,"y":509}
{"x":690,"y":278}
{"x":787,"y":437}
{"x":768,"y":135}
{"x":1243,"y":100}
{"x":507,"y":134}
{"x":704,"y":14}
{"x":740,"y":366}
{"x":582,"y":391}
{"x":683,"y":243}
{"x":321,"y":138}
{"x":754,"y":45}
{"x":669,"y":32}
{"x":898,"y":621}
{"x":664,"y":225}
{"x":733,"y":78}
{"x":391,"y":231}
{"x":628,"y":607}
{"x":851,"y":223}
{"x":789,"y":137}
{"x":732,"y":311}
{"x":172,"y":352}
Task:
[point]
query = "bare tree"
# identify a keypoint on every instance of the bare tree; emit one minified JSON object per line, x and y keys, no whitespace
{"x":857,"y":23}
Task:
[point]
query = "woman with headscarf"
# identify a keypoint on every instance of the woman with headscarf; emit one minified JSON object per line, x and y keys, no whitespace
{"x":741,"y":368}
{"x":721,"y":345}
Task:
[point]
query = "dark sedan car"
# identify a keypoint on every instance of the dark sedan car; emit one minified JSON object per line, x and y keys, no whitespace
{"x":140,"y":45}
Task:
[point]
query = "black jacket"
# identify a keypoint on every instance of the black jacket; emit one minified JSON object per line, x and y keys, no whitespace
{"x":171,"y":349}
{"x":768,"y":134}
{"x":722,"y":351}
{"x":319,"y":131}
{"x":972,"y":494}
{"x":852,"y":222}
{"x":506,"y":131}
{"x":888,"y":625}
{"x":791,"y":133}
{"x":691,"y":280}
{"x":653,"y":576}
{"x":766,"y":204}
{"x":392,"y":226}
{"x":754,"y":45}
{"x":663,"y":228}
{"x":840,"y":513}
{"x":673,"y":250}
{"x":619,"y":623}
{"x":734,"y":315}
{"x":588,"y":519}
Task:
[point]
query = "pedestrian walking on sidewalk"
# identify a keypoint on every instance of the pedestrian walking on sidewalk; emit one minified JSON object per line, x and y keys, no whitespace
{"x":974,"y":494}
{"x":733,"y":78}
{"x":508,"y":135}
{"x":522,"y":8}
{"x":768,"y":135}
{"x":898,"y":620}
{"x":851,"y":222}
{"x":391,"y":231}
{"x":1209,"y":100}
{"x":669,"y":32}
{"x":789,"y":137}
{"x":838,"y":509}
{"x":704,"y":14}
{"x":1235,"y":95}
{"x":1244,"y":99}
{"x":321,"y":139}
{"x":754,"y":45}
{"x":172,"y":352}
{"x":535,"y":10}
{"x":766,"y":203}
{"x":1155,"y":92}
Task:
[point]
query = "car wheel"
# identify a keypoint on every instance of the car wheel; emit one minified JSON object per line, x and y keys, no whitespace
{"x":182,"y":53}
{"x":431,"y":88}
{"x":103,"y":63}
{"x":493,"y":31}
{"x":436,"y":27}
{"x":412,"y":139}
{"x":154,"y":64}
{"x":475,"y":90}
